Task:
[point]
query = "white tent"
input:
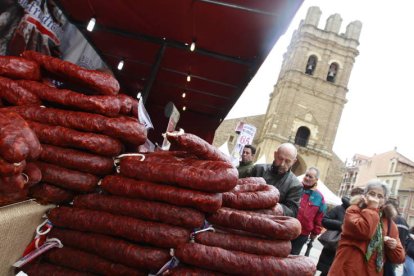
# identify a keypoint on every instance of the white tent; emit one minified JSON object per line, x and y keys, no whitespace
{"x":330,"y":197}
{"x":225,"y":149}
{"x":261,"y":160}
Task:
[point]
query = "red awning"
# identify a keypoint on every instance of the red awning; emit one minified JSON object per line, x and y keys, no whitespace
{"x":232,"y":37}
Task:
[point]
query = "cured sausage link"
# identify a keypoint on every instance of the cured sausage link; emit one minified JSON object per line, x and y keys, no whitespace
{"x":142,"y":209}
{"x":192,"y":271}
{"x":251,"y":196}
{"x":125,"y":128}
{"x":96,"y":80}
{"x":276,"y":248}
{"x":122,"y":186}
{"x":9,"y":169}
{"x":45,"y":193}
{"x":105,"y":105}
{"x":80,"y":260}
{"x":77,"y":160}
{"x":116,"y":250}
{"x":68,"y":179}
{"x":19,"y":68}
{"x":42,"y":269}
{"x":240,"y":263}
{"x":153,"y":233}
{"x":274,"y":227}
{"x":197,"y":146}
{"x":209,"y":176}
{"x":66,"y":137}
{"x":15,"y":94}
{"x":17,"y":141}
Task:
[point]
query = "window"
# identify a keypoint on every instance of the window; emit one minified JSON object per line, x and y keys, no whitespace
{"x":311,"y":65}
{"x":302,"y":136}
{"x":403,"y":201}
{"x":410,"y":220}
{"x":392,"y":168}
{"x":412,"y":204}
{"x":231,"y":138}
{"x":394,"y":187}
{"x":332,"y":72}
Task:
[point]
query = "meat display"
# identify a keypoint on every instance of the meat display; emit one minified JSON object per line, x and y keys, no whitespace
{"x":202,"y":175}
{"x":273,"y":227}
{"x":116,"y":250}
{"x":19,"y":68}
{"x":122,"y":186}
{"x":142,"y":209}
{"x":154,"y":233}
{"x":240,"y":263}
{"x":77,"y":160}
{"x":251,"y":196}
{"x":101,"y":82}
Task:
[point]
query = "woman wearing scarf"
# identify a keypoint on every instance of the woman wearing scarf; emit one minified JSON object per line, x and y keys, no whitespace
{"x":365,"y":241}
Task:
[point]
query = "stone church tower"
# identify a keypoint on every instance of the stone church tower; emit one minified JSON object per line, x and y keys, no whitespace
{"x":307,"y":102}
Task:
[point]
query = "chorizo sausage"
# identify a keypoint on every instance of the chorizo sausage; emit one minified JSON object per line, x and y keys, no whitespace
{"x":209,"y":176}
{"x":101,"y":82}
{"x":197,"y":146}
{"x":142,"y":209}
{"x":19,"y":68}
{"x":80,"y":260}
{"x":116,"y":250}
{"x":276,"y":210}
{"x":68,"y":179}
{"x":33,"y":173}
{"x":77,"y":160}
{"x":122,"y":186}
{"x":17,"y":141}
{"x":154,"y":233}
{"x":122,"y":127}
{"x":45,"y":193}
{"x":277,"y":248}
{"x":251,"y":196}
{"x":15,"y":94}
{"x":251,"y":180}
{"x":12,"y":184}
{"x":105,"y":105}
{"x":192,"y":271}
{"x":43,"y":268}
{"x":240,"y":263}
{"x":274,"y":227}
{"x":9,"y":169}
{"x":66,"y":137}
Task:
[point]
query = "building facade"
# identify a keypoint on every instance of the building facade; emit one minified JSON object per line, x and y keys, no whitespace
{"x":306,"y":104}
{"x":391,"y":167}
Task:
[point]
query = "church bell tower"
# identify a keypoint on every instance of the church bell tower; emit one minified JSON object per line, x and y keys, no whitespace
{"x":306,"y":104}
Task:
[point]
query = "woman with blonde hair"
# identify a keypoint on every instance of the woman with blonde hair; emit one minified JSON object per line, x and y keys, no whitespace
{"x":365,"y":241}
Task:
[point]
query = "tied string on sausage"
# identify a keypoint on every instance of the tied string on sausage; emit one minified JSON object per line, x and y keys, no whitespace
{"x":183,"y":169}
{"x":206,"y":227}
{"x":39,"y":245}
{"x":117,"y":159}
{"x":172,"y":263}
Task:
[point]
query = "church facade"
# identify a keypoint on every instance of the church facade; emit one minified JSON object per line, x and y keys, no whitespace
{"x":306,"y":104}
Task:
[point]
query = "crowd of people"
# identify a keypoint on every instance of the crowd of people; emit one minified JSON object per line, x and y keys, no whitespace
{"x":374,"y":237}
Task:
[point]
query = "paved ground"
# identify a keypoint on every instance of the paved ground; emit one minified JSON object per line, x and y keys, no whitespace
{"x":316,"y":251}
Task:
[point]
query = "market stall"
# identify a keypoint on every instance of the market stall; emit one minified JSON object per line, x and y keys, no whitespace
{"x":75,"y":137}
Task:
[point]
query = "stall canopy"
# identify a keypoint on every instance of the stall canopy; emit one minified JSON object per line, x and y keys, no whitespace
{"x":153,"y":38}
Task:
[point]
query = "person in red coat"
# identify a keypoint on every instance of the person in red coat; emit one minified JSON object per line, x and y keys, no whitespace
{"x":365,"y":240}
{"x":311,"y":210}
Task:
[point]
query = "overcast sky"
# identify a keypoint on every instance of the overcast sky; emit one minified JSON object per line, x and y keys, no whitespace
{"x":380,"y":108}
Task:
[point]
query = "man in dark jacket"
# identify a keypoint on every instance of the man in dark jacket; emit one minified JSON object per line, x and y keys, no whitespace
{"x":246,"y":163}
{"x":279,"y":175}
